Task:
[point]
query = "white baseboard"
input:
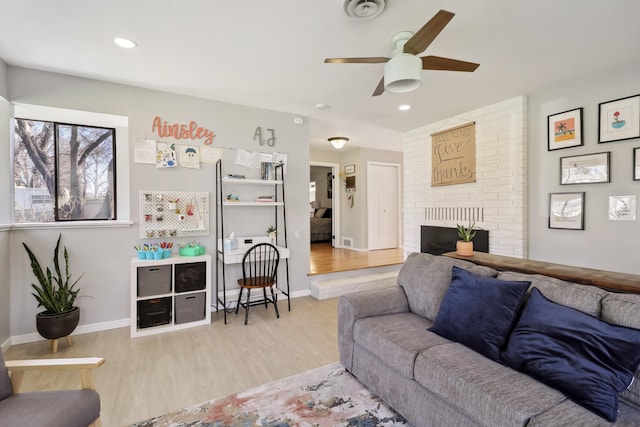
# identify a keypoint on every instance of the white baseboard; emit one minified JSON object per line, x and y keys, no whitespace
{"x":114,"y":324}
{"x":82,"y":329}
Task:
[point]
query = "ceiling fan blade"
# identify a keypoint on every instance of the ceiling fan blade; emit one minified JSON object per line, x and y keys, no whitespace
{"x":423,"y":38}
{"x":371,"y":60}
{"x":439,"y":63}
{"x":380,"y":88}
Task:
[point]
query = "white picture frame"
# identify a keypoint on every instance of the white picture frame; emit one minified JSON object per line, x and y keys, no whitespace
{"x":622,"y":208}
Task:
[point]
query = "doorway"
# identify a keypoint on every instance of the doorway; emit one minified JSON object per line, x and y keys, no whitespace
{"x":383,"y":205}
{"x":324,"y":205}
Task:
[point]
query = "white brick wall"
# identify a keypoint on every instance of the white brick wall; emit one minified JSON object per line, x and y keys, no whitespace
{"x":500,"y":187}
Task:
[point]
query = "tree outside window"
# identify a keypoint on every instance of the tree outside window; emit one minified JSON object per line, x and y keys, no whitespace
{"x":63,"y":172}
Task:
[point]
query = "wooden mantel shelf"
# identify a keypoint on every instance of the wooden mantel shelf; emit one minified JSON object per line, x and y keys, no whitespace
{"x":587,"y":276}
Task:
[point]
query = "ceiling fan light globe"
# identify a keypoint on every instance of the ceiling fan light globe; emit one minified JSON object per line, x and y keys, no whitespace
{"x":403,"y":73}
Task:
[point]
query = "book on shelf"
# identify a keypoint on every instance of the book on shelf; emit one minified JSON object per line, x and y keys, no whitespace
{"x":265,"y":199}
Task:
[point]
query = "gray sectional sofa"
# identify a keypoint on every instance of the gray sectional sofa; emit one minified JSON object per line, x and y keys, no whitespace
{"x":433,"y":381}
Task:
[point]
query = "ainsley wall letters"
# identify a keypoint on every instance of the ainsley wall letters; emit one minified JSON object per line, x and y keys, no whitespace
{"x":182,"y":131}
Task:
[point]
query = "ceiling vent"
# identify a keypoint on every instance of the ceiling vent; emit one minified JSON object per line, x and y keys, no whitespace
{"x":362,"y":9}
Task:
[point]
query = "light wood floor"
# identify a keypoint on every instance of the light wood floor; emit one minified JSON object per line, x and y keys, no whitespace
{"x":325,"y":259}
{"x":149,"y":376}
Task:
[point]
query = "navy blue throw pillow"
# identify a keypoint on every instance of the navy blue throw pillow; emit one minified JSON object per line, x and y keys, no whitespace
{"x":479,"y":311}
{"x":587,"y":359}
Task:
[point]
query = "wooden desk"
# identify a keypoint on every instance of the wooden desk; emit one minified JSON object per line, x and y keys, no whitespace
{"x":610,"y":280}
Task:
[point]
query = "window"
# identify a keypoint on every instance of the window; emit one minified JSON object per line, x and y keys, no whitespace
{"x":64,"y":172}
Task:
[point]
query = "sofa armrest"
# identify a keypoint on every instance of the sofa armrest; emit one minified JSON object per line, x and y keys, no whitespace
{"x":17,"y":369}
{"x":358,"y":305}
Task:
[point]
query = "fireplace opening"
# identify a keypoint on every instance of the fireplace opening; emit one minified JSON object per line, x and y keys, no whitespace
{"x":439,"y":240}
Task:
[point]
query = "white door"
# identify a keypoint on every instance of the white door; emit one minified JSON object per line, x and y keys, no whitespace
{"x":382,"y":205}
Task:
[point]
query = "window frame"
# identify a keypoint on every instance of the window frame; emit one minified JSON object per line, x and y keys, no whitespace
{"x":120,"y":124}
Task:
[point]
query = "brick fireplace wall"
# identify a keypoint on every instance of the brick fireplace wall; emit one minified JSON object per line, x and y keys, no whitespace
{"x":497,"y":200}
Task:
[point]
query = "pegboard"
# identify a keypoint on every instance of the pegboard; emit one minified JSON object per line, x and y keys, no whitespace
{"x":173,"y":214}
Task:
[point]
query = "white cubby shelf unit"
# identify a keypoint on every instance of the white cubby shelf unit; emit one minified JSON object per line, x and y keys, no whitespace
{"x":170,"y":294}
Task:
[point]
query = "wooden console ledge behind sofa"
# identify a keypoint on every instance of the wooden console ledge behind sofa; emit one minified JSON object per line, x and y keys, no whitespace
{"x":609,"y":280}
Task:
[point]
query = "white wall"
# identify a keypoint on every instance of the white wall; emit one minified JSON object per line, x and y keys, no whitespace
{"x":500,"y":187}
{"x":603,"y":244}
{"x":104,"y":254}
{"x":5,"y":181}
{"x":4,"y":87}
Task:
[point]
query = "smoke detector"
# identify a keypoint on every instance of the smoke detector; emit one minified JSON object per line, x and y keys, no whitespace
{"x":362,"y":9}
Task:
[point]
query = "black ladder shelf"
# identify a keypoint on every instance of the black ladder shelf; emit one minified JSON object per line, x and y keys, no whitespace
{"x":220,"y":250}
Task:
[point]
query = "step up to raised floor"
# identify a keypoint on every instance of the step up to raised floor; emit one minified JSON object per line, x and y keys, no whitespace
{"x":326,"y":288}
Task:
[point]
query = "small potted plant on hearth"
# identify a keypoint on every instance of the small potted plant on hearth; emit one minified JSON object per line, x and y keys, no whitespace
{"x":464,"y":246}
{"x":57,"y":294}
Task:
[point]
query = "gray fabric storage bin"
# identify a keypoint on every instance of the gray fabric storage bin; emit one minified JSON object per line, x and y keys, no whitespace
{"x":154,"y":280}
{"x":190,"y":307}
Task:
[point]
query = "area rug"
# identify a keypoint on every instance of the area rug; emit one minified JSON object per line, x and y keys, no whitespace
{"x":326,"y":396}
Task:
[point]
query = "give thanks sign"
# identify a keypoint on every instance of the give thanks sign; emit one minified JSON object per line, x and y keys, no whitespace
{"x":453,"y":156}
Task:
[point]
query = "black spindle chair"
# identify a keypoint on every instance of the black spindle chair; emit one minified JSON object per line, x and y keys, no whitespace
{"x":259,"y":271}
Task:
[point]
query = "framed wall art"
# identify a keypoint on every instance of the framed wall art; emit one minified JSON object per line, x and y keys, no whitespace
{"x":619,"y":119}
{"x":622,"y":208}
{"x":350,"y":169}
{"x":564,"y":130}
{"x":585,"y":169}
{"x":636,"y":164}
{"x":566,"y":211}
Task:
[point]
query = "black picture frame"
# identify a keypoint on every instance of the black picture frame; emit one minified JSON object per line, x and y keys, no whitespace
{"x":566,"y":210}
{"x":591,"y":168}
{"x":619,"y":119}
{"x":636,"y":164}
{"x":564,"y":130}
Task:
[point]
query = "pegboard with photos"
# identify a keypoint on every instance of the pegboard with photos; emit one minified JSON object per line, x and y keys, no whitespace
{"x":173,"y":214}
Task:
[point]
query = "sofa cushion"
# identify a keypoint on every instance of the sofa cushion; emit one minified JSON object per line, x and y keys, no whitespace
{"x":492,"y":394}
{"x":588,"y":359}
{"x":624,"y":309}
{"x":569,"y":413}
{"x":581,"y":297}
{"x":479,"y":312}
{"x":425,"y":279}
{"x":396,"y":339}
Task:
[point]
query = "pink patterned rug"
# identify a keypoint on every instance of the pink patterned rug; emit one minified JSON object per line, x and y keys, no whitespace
{"x":326,"y":396}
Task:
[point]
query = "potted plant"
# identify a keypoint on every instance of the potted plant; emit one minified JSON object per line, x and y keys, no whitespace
{"x":464,"y":246}
{"x":57,"y":294}
{"x":272,"y":233}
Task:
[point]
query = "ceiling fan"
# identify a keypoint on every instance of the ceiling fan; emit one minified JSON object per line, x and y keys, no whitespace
{"x":403,"y":71}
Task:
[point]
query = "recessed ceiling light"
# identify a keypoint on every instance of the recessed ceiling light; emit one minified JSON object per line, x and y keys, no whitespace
{"x":322,"y":106}
{"x":126,"y":43}
{"x":404,"y":107}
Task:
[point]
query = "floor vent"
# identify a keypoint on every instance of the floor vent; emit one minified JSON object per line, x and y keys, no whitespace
{"x":347,"y":242}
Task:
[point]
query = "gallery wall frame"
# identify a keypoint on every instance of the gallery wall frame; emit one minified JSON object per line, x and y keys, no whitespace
{"x":636,"y":164}
{"x":619,"y":119}
{"x":564,"y":130}
{"x":566,"y":210}
{"x":348,"y":169}
{"x":585,"y":168}
{"x":622,"y":208}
